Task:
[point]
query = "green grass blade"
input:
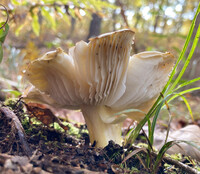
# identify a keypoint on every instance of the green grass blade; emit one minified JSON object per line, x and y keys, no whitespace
{"x":169,"y":123}
{"x":187,"y":83}
{"x":181,"y":55}
{"x":182,"y":93}
{"x":154,"y":121}
{"x":137,"y":130}
{"x":149,"y":130}
{"x":158,"y":109}
{"x":188,"y":106}
{"x":195,"y":42}
{"x":161,"y":153}
{"x":128,"y":111}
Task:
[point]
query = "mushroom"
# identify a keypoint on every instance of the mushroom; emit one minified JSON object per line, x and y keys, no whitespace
{"x":101,"y":79}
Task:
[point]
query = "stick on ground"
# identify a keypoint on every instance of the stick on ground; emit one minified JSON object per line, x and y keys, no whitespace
{"x":18,"y":127}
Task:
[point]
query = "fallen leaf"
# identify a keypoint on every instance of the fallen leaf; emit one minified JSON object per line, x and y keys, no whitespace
{"x":43,"y":114}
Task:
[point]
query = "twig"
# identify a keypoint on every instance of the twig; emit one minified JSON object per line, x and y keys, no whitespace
{"x":123,"y":13}
{"x":181,"y":165}
{"x":17,"y":125}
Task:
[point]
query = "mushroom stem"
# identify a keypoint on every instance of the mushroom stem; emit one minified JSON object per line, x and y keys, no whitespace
{"x":100,"y":131}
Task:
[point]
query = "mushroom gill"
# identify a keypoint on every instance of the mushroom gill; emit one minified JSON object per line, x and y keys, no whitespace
{"x":101,"y":79}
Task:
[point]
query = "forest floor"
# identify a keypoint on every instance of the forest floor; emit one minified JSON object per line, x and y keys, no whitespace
{"x":27,"y":146}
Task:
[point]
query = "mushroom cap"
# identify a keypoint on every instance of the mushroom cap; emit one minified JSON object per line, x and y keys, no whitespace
{"x":148,"y":72}
{"x":92,"y":73}
{"x":100,"y":73}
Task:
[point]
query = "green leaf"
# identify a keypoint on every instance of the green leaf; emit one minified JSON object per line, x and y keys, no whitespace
{"x":35,"y":25}
{"x":14,"y":92}
{"x":1,"y":52}
{"x":49,"y":1}
{"x":19,"y":2}
{"x":15,"y":2}
{"x":49,"y":18}
{"x":3,"y":32}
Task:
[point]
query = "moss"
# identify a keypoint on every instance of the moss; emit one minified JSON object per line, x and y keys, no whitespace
{"x":134,"y":170}
{"x":197,"y":168}
{"x":74,"y":131}
{"x":11,"y":102}
{"x":177,"y":157}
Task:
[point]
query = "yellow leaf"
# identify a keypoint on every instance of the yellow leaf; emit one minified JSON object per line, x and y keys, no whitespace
{"x":35,"y":24}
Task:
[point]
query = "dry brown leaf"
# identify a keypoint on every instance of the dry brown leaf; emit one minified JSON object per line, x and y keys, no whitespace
{"x":43,"y":114}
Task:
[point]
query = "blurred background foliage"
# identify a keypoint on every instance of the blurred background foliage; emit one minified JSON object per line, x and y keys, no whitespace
{"x":37,"y":26}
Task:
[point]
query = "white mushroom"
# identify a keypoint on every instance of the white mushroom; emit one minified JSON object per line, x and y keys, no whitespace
{"x":101,"y":79}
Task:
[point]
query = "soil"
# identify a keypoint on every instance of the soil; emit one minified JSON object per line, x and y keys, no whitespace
{"x":41,"y":149}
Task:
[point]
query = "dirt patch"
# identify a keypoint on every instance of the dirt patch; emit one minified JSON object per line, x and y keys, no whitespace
{"x":43,"y":149}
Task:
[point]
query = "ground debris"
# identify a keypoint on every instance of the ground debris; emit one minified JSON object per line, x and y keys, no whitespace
{"x":16,"y":127}
{"x":55,"y":151}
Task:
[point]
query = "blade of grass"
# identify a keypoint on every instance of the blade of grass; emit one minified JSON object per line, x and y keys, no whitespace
{"x":182,"y":53}
{"x":149,"y":128}
{"x":128,"y":111}
{"x":149,"y":150}
{"x":149,"y":144}
{"x":187,"y":83}
{"x":136,"y":131}
{"x":188,"y":106}
{"x":161,"y":153}
{"x":182,"y":93}
{"x":154,"y":121}
{"x":169,"y":122}
{"x":195,"y":42}
{"x":158,"y":109}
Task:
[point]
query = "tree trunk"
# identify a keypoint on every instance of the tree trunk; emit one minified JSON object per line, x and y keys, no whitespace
{"x":73,"y":22}
{"x":114,"y":20}
{"x":138,"y":16}
{"x":95,"y":26}
{"x":180,"y":19}
{"x":72,"y":27}
{"x":165,"y":18}
{"x":165,"y":24}
{"x":158,"y":16}
{"x":114,"y":16}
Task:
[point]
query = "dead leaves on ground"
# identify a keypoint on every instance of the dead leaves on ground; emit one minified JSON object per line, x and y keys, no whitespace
{"x":43,"y":114}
